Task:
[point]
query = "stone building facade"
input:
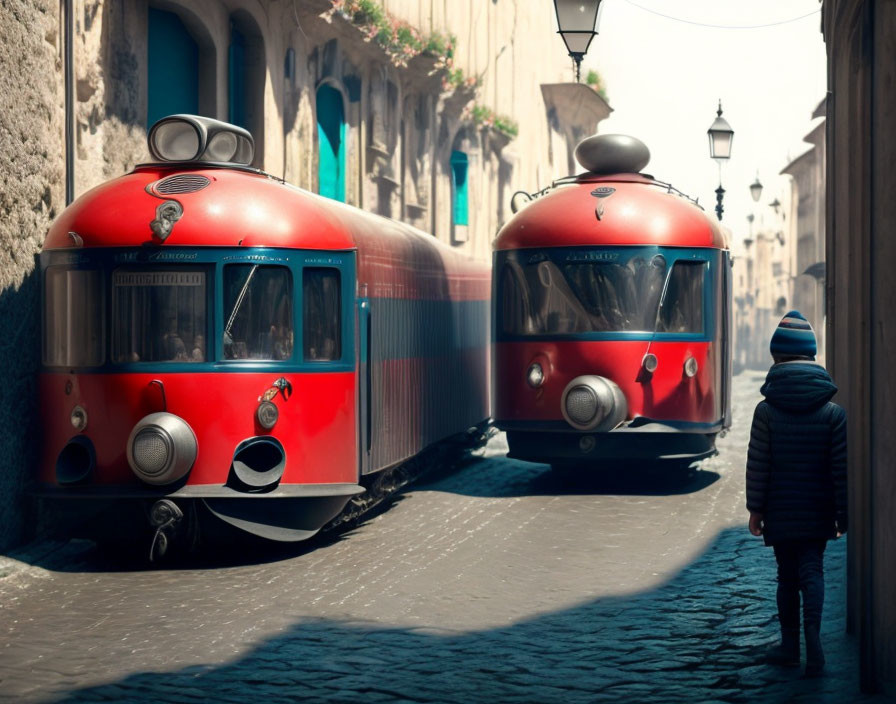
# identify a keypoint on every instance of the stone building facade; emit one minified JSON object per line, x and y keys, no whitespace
{"x":860,"y":292}
{"x":807,"y":227}
{"x":762,"y":285}
{"x":430,"y":112}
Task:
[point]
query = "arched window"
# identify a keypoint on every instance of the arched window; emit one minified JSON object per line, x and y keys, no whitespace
{"x":460,"y":210}
{"x":246,"y":70}
{"x":331,"y":143}
{"x":173,"y":67}
{"x":236,"y":78}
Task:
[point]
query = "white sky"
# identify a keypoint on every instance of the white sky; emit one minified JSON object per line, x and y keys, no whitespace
{"x":664,"y":79}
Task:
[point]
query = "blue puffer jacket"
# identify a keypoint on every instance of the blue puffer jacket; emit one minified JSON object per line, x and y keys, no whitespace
{"x":796,"y":462}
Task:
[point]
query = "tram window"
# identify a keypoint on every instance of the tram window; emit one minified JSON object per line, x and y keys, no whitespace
{"x":682,"y":310}
{"x":321,"y":315}
{"x":258,"y":318}
{"x":557,"y":295}
{"x":73,"y":318}
{"x":158,"y":315}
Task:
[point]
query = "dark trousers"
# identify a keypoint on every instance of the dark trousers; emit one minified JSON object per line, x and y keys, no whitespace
{"x":800,"y":569}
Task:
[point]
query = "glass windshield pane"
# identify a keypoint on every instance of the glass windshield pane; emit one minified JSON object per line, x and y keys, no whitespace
{"x":321,"y":315}
{"x":682,"y":310}
{"x":258,"y":318}
{"x":159,"y":316}
{"x":73,"y":318}
{"x":557,"y":292}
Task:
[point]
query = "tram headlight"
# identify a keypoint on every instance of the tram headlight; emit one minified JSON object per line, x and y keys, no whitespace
{"x":582,"y":404}
{"x":649,"y":363}
{"x":535,"y":375}
{"x":175,"y":140}
{"x":690,"y":367}
{"x":593,"y":402}
{"x":198,"y":138}
{"x":78,"y":418}
{"x":267,"y":414}
{"x":161,"y":449}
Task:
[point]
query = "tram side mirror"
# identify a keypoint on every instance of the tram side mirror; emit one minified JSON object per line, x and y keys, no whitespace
{"x":519,"y":200}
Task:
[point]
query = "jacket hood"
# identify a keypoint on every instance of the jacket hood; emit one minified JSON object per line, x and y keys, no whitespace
{"x":798,"y":386}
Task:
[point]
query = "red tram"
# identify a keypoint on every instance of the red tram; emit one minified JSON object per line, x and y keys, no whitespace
{"x":611,"y":317}
{"x":216,"y":341}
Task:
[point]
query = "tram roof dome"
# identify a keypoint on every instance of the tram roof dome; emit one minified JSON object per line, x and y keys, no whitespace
{"x":612,"y":154}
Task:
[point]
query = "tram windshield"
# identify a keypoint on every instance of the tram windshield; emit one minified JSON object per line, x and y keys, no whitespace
{"x":258,"y":320}
{"x":73,"y":317}
{"x":159,"y":316}
{"x":560,"y":292}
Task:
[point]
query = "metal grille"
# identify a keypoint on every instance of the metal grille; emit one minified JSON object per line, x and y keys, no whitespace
{"x":151,"y":452}
{"x":182,"y":183}
{"x":581,"y":404}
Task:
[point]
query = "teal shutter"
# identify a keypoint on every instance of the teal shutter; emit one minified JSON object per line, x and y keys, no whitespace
{"x":459,"y":164}
{"x":236,"y":79}
{"x":331,"y":141}
{"x":173,"y":70}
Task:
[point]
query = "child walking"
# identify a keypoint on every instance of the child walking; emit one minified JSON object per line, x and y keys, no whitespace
{"x":796,"y":483}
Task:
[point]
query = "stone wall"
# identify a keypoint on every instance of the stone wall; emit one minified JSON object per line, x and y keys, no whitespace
{"x":861,"y":289}
{"x":32,"y":193}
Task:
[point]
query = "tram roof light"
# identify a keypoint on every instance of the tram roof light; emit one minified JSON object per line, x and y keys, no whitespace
{"x":182,"y":138}
{"x":720,"y":137}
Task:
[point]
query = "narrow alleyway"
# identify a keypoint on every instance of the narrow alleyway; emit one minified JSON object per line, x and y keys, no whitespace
{"x":497,"y":582}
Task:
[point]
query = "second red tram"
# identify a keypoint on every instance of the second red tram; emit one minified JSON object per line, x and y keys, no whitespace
{"x":611,"y":306}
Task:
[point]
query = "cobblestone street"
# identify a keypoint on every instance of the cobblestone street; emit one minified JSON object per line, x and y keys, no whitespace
{"x":498,"y":582}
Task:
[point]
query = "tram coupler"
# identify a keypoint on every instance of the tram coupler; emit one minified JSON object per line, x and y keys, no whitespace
{"x":165,"y":516}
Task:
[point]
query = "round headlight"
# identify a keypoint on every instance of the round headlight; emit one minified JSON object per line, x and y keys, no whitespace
{"x":582,"y":404}
{"x":221,"y":147}
{"x":79,"y":418}
{"x":690,"y":366}
{"x":151,"y":451}
{"x":593,"y":402}
{"x":267,"y":414}
{"x":535,"y":375}
{"x":649,"y":363}
{"x":161,"y":449}
{"x":175,"y":140}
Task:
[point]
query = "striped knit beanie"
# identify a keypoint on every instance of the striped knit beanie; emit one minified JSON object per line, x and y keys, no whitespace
{"x":793,"y":337}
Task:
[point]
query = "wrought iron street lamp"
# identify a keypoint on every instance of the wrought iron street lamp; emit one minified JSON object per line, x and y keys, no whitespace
{"x":577,"y":22}
{"x":756,"y":189}
{"x":720,"y":137}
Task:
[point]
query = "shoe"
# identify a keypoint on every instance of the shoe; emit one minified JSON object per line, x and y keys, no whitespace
{"x":787,"y":653}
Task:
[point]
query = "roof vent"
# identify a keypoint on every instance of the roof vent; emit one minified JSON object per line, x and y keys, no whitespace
{"x":181,"y":183}
{"x":612,"y":154}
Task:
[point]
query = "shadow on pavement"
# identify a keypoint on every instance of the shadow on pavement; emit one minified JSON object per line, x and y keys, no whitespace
{"x":699,"y":637}
{"x":229,"y":549}
{"x":498,"y":477}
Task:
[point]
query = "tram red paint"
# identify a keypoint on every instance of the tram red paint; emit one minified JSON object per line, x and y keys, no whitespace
{"x":567,"y":268}
{"x":409,"y":366}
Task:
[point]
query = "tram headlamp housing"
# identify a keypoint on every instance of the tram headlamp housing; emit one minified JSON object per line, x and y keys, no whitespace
{"x":161,"y":449}
{"x":267,"y":414}
{"x":649,"y":363}
{"x":535,"y":375}
{"x":78,"y":418}
{"x":195,"y":138}
{"x":593,"y":403}
{"x":690,"y":367}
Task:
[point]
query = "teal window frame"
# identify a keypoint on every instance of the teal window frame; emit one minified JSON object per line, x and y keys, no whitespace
{"x":172,"y":69}
{"x":460,"y":210}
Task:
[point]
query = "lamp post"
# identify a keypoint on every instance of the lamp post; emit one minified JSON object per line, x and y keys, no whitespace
{"x":720,"y":137}
{"x":577,"y":22}
{"x":756,"y":189}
